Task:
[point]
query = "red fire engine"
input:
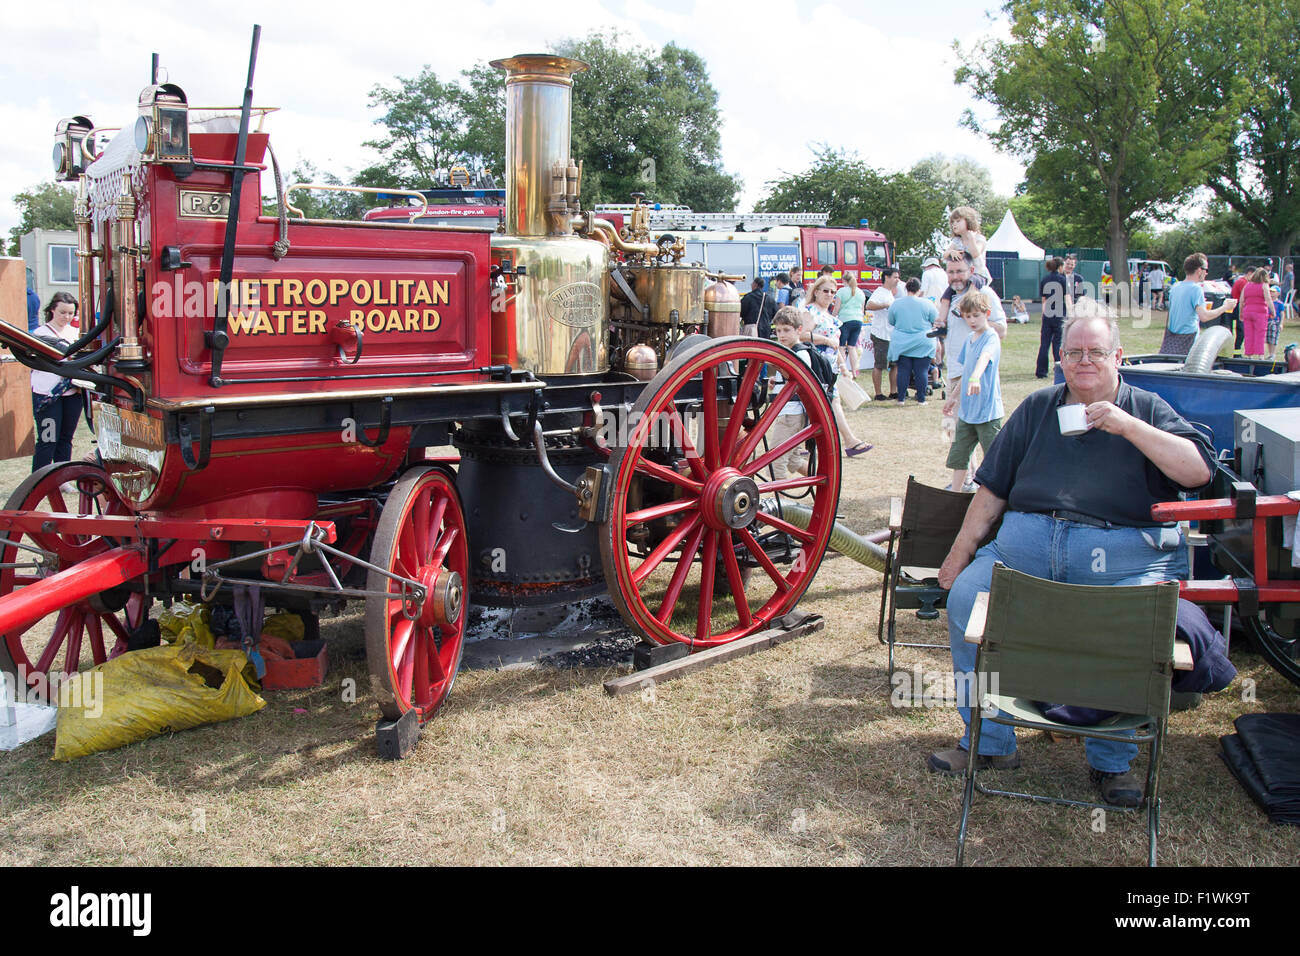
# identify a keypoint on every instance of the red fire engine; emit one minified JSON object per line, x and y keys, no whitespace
{"x":268,"y":390}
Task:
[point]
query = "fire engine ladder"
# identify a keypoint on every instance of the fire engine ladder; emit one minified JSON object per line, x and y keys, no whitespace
{"x":669,"y":217}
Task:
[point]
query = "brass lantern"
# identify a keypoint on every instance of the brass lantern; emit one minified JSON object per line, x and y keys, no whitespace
{"x":69,"y":136}
{"x":162,"y":131}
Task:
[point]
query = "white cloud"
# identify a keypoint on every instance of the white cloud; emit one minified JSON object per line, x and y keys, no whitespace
{"x":847,"y":74}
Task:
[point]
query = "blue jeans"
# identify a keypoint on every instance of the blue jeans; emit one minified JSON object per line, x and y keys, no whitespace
{"x":912,"y":371}
{"x":1058,"y":551}
{"x":57,"y":421}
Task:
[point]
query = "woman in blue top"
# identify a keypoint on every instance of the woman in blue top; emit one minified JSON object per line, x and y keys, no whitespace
{"x":909,"y":344}
{"x":852,"y":305}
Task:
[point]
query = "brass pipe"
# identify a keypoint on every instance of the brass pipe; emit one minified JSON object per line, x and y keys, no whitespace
{"x":126,"y":284}
{"x":618,"y":242}
{"x":539,"y":90}
{"x":85,"y":255}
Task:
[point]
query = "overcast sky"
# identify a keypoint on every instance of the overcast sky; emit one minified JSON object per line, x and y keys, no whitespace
{"x":874,"y":77}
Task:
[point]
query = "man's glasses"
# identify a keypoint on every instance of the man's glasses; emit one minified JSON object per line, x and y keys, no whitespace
{"x":1096,"y":356}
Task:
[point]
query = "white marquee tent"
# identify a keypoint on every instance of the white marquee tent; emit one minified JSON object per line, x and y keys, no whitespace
{"x":1009,"y":238}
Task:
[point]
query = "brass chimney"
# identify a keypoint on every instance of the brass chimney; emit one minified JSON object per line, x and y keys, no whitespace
{"x":539,"y":94}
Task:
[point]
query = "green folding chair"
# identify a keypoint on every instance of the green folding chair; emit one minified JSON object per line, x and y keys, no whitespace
{"x":922,"y":528}
{"x":1107,"y":648}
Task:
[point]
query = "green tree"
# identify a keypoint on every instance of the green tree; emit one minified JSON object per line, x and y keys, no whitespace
{"x":647,"y":122}
{"x":320,"y":203}
{"x":839,"y":183}
{"x":1259,"y":177}
{"x":46,"y":206}
{"x":1123,"y":106}
{"x":963,"y":181}
{"x":1044,"y":221}
{"x":431,"y":126}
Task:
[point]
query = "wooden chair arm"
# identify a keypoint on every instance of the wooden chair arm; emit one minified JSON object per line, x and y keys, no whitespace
{"x":978,"y":615}
{"x":1183,"y":656}
{"x":895,"y":514}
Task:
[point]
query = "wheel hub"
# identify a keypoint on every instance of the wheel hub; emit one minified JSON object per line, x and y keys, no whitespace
{"x":731,"y":500}
{"x":444,"y":597}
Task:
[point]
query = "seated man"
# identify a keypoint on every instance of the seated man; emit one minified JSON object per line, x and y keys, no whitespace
{"x":1077,"y":510}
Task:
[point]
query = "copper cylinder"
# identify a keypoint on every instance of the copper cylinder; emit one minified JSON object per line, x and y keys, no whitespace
{"x":722,"y":302}
{"x":85,"y":257}
{"x":539,"y":93}
{"x":641,"y":362}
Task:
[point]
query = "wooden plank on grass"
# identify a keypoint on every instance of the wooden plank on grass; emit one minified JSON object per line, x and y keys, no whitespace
{"x":633,"y":683}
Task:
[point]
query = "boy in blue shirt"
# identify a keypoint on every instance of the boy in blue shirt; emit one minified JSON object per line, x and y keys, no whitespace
{"x":978,"y":391}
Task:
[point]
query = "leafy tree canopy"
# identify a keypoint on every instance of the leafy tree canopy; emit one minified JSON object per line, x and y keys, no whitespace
{"x":47,"y":206}
{"x":1259,"y":174}
{"x":1122,"y":106}
{"x":962,"y":181}
{"x":904,"y":208}
{"x":642,"y":122}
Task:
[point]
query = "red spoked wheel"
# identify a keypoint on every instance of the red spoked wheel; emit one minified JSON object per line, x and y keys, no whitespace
{"x":414,"y":651}
{"x":83,"y":634}
{"x":693,"y":496}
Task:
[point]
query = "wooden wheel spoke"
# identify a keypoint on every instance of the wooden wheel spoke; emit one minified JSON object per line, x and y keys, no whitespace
{"x":743,"y":395}
{"x":61,"y":627}
{"x":419,"y":520}
{"x":781,"y":524}
{"x":444,"y":546}
{"x":708,"y":571}
{"x":119,"y":632}
{"x":683,"y":438}
{"x":798,"y":438}
{"x":56,"y":500}
{"x":434,"y":527}
{"x":736,"y":581}
{"x":786,"y":484}
{"x":72,"y":658}
{"x":782,"y":583}
{"x":765,"y":422}
{"x":710,"y":437}
{"x":407,"y":560}
{"x":98,"y":650}
{"x":684,"y":562}
{"x":659,"y":511}
{"x":654,"y":470}
{"x":656,"y":557}
{"x":424,"y":649}
{"x":437,"y":670}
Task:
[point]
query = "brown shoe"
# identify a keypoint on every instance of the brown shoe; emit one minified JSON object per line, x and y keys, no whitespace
{"x":1117,"y":789}
{"x":953,"y":762}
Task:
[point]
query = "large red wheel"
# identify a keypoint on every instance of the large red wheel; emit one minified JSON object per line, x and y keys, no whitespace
{"x":414,"y":651}
{"x":83,"y":634}
{"x":693,"y":497}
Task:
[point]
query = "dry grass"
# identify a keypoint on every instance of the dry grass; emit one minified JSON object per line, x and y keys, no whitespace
{"x":790,"y":756}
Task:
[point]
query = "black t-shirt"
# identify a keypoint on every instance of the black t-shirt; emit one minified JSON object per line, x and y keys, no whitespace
{"x":1036,"y":469}
{"x":1052,"y":290}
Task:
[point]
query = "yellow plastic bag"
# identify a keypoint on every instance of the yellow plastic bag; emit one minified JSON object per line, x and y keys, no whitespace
{"x":184,"y":621}
{"x":285,"y":624}
{"x":150,"y":692}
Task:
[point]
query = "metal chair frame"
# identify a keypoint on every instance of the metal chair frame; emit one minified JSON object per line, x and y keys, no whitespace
{"x":1151,"y":731}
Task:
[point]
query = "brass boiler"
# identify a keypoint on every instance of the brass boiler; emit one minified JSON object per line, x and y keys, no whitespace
{"x":722,"y":302}
{"x":665,"y":288}
{"x":561,"y":283}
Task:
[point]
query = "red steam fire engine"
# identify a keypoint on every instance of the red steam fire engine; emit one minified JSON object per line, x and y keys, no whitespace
{"x":269,"y":389}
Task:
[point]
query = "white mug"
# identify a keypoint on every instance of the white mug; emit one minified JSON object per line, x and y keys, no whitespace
{"x":1072,"y":419}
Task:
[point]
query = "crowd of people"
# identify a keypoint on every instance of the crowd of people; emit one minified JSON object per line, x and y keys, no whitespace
{"x":1257,"y":309}
{"x":941,"y":329}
